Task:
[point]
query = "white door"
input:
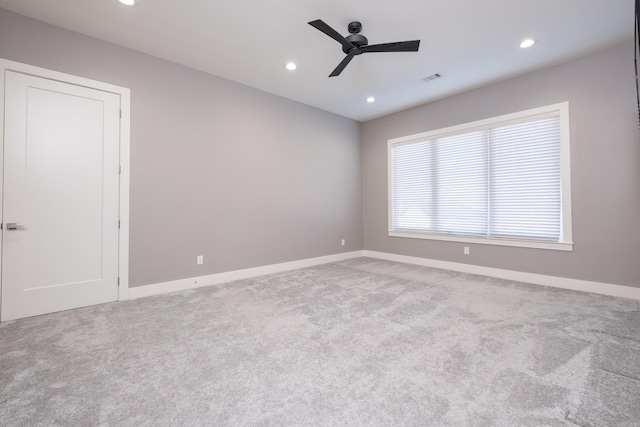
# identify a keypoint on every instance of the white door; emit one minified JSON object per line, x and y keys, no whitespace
{"x":60,"y":198}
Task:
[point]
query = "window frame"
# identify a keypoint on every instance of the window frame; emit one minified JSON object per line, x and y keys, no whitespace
{"x":561,"y":110}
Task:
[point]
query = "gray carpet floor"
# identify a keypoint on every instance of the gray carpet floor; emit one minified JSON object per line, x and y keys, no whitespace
{"x":361,"y":342}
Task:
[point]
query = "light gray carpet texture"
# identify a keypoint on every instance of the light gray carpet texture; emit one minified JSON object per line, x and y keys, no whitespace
{"x":362,"y":342}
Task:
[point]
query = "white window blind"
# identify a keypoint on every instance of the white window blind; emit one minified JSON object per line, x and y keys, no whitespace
{"x":524,"y":180}
{"x":460,"y":167}
{"x":495,"y":180}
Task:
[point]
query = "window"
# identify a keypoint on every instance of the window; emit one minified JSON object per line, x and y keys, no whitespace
{"x":504,"y":181}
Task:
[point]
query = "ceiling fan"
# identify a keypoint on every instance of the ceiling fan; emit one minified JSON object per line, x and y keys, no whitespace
{"x":356,"y":44}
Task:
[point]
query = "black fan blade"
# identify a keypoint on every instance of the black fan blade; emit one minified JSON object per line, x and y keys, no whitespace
{"x":342,"y":65}
{"x":408,"y":46}
{"x":325,"y":28}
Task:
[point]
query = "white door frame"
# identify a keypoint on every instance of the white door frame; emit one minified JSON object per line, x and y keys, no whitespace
{"x":125,"y":123}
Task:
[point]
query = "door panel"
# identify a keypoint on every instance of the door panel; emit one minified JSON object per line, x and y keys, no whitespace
{"x":61,"y":184}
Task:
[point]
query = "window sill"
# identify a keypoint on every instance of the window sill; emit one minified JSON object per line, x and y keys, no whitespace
{"x":535,"y":244}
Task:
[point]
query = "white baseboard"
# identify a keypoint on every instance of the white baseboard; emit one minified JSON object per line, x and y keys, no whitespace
{"x":519,"y":276}
{"x":230,"y":276}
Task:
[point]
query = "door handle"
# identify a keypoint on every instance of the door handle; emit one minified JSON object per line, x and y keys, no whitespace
{"x":14,"y":226}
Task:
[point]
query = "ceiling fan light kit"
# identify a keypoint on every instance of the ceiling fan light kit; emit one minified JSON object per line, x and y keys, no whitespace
{"x":357,"y":44}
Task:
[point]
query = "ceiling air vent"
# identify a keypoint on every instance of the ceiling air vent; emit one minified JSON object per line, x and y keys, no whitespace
{"x":432,"y":77}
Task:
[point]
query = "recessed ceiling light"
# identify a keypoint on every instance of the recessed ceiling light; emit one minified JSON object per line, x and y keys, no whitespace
{"x":527,"y":43}
{"x":291,"y":66}
{"x":371,"y":99}
{"x":128,"y":2}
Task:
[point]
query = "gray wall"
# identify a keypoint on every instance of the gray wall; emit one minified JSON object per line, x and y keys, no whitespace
{"x":218,"y":169}
{"x":605,"y":168}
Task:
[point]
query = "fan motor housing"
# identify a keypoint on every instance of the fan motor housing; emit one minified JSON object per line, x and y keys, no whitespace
{"x":357,"y":40}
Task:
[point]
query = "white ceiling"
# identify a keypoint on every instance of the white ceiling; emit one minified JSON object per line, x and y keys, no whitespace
{"x":470,"y":42}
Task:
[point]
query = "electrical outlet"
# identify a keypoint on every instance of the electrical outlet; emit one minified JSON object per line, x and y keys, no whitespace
{"x":466,"y":250}
{"x":343,"y":242}
{"x":200,"y":260}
